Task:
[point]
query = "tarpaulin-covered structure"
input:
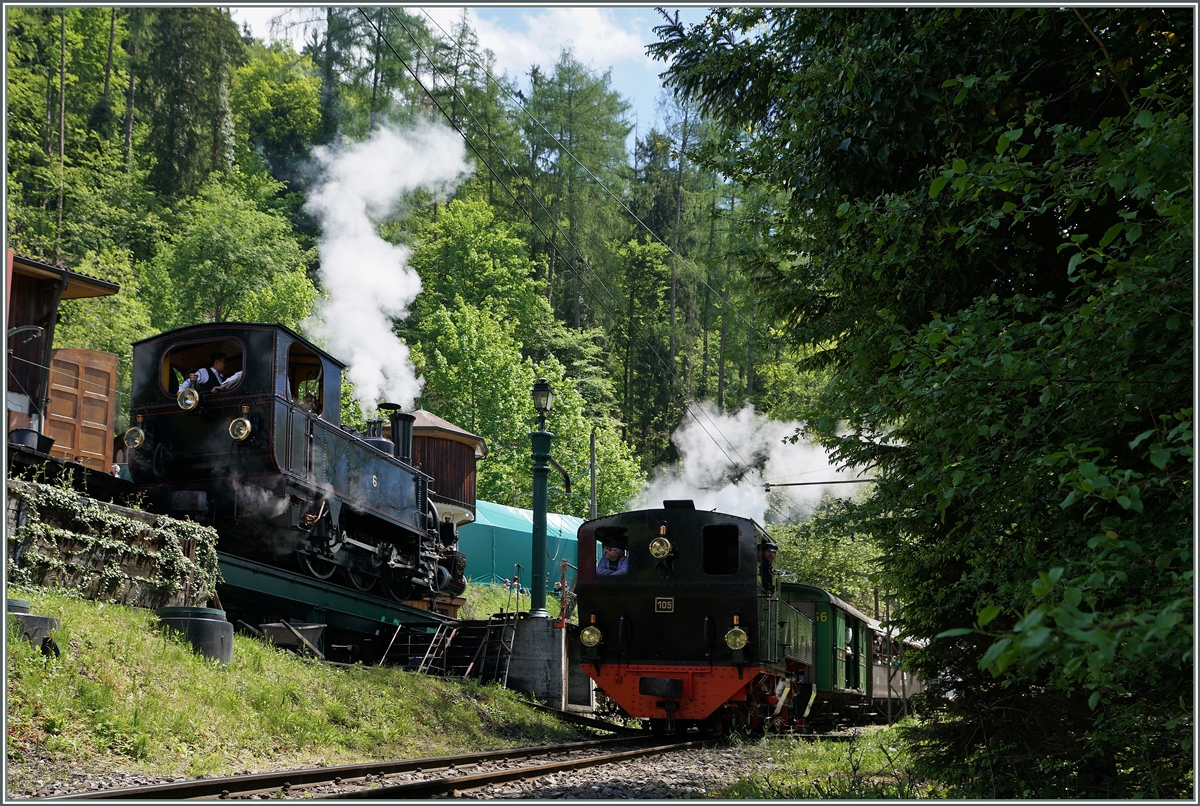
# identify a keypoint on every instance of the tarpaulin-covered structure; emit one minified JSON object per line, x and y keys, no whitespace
{"x":501,"y":538}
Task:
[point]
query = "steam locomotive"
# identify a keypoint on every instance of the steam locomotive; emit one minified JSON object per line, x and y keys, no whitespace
{"x":259,"y":452}
{"x":690,"y":628}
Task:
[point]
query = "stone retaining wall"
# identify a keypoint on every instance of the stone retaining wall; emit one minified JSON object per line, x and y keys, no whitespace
{"x":58,"y":538}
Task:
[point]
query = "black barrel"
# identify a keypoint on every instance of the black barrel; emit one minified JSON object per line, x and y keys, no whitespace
{"x":35,"y":629}
{"x":204,"y":627}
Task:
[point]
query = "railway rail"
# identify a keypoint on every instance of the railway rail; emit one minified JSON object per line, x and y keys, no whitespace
{"x":381,"y":780}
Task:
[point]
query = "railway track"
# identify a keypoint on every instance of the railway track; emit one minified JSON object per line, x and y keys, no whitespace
{"x":395,"y":779}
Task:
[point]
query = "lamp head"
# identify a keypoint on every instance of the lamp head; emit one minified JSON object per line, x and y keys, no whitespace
{"x":542,"y":396}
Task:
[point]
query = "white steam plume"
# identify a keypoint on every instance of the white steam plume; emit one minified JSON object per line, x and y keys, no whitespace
{"x":367,"y":279}
{"x":725,"y":459}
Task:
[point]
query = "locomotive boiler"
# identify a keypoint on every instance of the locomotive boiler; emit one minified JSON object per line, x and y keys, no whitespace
{"x":685,"y":625}
{"x":259,"y":452}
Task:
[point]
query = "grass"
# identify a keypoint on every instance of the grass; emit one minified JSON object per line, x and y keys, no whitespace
{"x":871,"y":766}
{"x":124,"y":696}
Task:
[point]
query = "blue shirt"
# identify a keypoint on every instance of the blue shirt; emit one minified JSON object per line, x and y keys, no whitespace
{"x":605,"y":568}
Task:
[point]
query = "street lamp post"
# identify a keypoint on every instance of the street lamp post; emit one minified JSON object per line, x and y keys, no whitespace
{"x":542,"y":398}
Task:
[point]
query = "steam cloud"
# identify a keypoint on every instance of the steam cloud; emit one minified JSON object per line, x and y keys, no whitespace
{"x":725,"y":459}
{"x":367,"y":279}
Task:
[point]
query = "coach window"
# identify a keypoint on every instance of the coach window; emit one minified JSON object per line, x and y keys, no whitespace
{"x":304,"y":379}
{"x":183,"y":359}
{"x":721,"y":549}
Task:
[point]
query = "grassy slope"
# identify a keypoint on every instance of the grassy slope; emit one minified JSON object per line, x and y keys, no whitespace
{"x":124,"y":696}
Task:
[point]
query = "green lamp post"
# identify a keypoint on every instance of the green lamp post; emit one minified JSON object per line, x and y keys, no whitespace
{"x":542,"y":398}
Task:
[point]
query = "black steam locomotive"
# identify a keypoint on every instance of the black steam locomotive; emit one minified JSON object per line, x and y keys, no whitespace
{"x":687,"y":625}
{"x":257,"y":450}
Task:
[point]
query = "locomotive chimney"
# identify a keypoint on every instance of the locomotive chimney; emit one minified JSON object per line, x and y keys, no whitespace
{"x":402,"y":429}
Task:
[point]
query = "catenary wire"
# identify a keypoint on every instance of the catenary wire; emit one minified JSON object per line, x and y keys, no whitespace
{"x":597,"y":179}
{"x":567,"y":238}
{"x":516,"y":201}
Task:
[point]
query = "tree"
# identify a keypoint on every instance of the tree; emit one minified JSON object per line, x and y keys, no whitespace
{"x":826,"y":557}
{"x":465,"y":252}
{"x":186,"y":72}
{"x":574,"y":120}
{"x":986,"y":236}
{"x":275,"y":99}
{"x":476,"y":377}
{"x":229,"y":260}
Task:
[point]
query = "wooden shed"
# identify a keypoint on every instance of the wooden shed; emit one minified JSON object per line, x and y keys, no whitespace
{"x":448,"y":453}
{"x":35,"y":290}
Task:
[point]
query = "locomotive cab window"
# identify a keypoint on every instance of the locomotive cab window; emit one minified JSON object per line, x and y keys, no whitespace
{"x":613,"y":551}
{"x":721,"y":549}
{"x":304,"y":378}
{"x":209,"y":366}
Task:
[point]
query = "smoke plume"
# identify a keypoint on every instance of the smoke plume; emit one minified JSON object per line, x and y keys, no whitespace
{"x":726,"y":459}
{"x":367,"y":279}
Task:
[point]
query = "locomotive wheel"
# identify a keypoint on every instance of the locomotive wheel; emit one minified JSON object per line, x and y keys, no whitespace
{"x":360,"y":580}
{"x":399,"y":587}
{"x":319,"y":567}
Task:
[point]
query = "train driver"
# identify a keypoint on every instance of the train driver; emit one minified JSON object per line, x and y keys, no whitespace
{"x":204,"y":380}
{"x":613,"y":563}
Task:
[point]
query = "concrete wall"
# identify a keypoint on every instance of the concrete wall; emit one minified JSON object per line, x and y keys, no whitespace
{"x":539,"y":660}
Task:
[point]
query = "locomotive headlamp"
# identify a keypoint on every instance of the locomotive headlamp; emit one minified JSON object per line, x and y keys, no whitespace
{"x":590,"y":636}
{"x":239,"y":429}
{"x":736,"y":638}
{"x":660,"y":548}
{"x":134,"y":437}
{"x":188,"y":399}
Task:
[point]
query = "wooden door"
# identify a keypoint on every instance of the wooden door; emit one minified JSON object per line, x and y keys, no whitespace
{"x":83,"y":406}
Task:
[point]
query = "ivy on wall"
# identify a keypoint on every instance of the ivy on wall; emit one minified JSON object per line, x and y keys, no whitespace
{"x":57,"y":538}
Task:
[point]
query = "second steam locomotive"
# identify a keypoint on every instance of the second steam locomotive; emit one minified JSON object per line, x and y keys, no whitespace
{"x":263,"y":457}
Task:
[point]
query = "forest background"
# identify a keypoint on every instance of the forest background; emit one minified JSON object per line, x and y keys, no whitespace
{"x":963,"y":266}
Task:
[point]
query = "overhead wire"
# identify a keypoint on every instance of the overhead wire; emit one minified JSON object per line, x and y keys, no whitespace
{"x":600,"y":182}
{"x":383,"y":37}
{"x":578,"y":252}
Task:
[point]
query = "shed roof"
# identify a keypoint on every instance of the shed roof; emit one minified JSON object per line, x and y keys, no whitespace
{"x":428,"y":424}
{"x":76,"y":284}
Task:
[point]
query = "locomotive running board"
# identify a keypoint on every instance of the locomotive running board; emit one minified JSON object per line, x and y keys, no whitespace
{"x":341,"y":607}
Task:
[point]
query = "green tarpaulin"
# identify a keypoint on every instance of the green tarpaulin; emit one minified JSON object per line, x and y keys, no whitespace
{"x":501,"y":538}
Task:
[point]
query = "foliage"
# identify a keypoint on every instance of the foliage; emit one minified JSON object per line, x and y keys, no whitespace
{"x":229,"y":260}
{"x":476,"y":377}
{"x":124,"y":695}
{"x":94,"y":549}
{"x":822,"y":555}
{"x":875,"y":764}
{"x":275,"y":99}
{"x":465,"y":252}
{"x":988,"y":235}
{"x":187,"y":67}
